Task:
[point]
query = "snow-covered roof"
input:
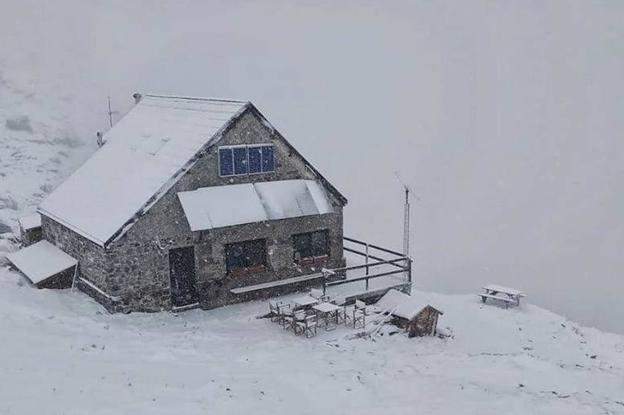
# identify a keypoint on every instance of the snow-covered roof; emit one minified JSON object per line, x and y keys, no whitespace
{"x":41,"y":261}
{"x":236,"y":204}
{"x":30,"y":221}
{"x":144,"y":154}
{"x":400,"y":304}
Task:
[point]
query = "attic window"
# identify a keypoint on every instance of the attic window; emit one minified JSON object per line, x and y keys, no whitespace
{"x":246,"y":159}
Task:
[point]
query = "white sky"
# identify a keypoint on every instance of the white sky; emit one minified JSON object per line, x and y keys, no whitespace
{"x":504,"y":117}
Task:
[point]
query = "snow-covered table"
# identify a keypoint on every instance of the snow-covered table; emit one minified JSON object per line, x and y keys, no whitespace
{"x":327,"y":312}
{"x":509,"y":295}
{"x":305,"y":301}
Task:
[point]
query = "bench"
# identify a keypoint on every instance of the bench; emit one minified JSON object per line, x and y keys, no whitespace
{"x":274,"y":284}
{"x":505,"y":300}
{"x":503,"y":294}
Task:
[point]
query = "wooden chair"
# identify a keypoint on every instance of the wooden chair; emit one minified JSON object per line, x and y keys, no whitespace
{"x":308,"y":325}
{"x":274,"y":311}
{"x":359,"y":314}
{"x":286,"y":316}
{"x":298,"y":317}
{"x":342,"y":315}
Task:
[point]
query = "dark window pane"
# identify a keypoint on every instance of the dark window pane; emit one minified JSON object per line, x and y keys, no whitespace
{"x":302,"y":246}
{"x":255,"y":159}
{"x":226,"y":167}
{"x":267,"y":158}
{"x":240,"y":160}
{"x":241,"y":255}
{"x":319,"y":243}
{"x":311,"y":244}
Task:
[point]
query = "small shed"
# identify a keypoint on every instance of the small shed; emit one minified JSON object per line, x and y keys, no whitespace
{"x":30,"y":229}
{"x":424,"y":323}
{"x":414,"y":318}
{"x":45,"y":265}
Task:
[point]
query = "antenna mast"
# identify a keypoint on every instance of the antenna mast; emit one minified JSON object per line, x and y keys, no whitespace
{"x":110,"y":113}
{"x":406,"y":223}
{"x":406,"y":217}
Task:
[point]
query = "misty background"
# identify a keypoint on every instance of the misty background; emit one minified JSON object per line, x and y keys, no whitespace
{"x":505,"y":118}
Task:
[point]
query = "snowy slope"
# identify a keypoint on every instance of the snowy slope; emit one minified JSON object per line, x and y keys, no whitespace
{"x":38,"y":148}
{"x":504,"y":117}
{"x":63,"y":354}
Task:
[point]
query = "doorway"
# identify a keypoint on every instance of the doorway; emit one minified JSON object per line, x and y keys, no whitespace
{"x":182,"y":274}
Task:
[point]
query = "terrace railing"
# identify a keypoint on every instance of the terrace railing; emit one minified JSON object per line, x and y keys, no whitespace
{"x":375,"y":257}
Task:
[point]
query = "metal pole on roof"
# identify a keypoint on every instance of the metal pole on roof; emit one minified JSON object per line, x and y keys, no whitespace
{"x":110,"y":113}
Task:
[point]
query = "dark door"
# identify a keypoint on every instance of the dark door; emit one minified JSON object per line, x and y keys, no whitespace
{"x":182,"y":273}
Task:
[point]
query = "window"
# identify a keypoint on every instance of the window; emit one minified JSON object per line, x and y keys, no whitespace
{"x":310,"y":246}
{"x":252,"y":159}
{"x":267,"y":158}
{"x":245,"y":257}
{"x":255,"y":159}
{"x":240,"y":160}
{"x":226,"y":162}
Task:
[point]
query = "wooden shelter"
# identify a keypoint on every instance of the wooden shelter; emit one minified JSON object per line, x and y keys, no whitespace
{"x":415,"y":319}
{"x":424,"y":323}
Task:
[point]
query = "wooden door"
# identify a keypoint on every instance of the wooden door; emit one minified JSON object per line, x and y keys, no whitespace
{"x":182,"y":274}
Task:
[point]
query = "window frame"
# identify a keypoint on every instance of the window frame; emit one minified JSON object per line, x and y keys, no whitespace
{"x":314,"y":258}
{"x":249,"y":269}
{"x":231,"y":160}
{"x":249,"y":172}
{"x":247,"y":147}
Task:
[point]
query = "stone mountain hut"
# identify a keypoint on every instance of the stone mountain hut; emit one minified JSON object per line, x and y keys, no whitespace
{"x":189,"y":202}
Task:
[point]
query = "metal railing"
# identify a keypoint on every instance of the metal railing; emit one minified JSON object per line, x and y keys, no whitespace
{"x":401,"y":262}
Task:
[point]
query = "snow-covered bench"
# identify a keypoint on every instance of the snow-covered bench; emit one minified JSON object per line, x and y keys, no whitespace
{"x":275,"y":284}
{"x":509,"y":295}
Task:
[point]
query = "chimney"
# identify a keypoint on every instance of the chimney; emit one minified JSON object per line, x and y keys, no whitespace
{"x":137,"y":97}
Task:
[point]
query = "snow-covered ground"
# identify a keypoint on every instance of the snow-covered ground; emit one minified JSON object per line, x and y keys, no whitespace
{"x":38,"y":147}
{"x":62,"y":354}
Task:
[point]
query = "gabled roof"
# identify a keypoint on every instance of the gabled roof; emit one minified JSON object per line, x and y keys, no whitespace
{"x":145,"y":154}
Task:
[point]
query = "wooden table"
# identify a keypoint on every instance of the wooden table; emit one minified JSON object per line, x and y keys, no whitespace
{"x":305,"y":301}
{"x":509,"y":295}
{"x":327,"y":311}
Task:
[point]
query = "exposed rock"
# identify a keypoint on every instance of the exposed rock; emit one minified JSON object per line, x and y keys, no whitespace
{"x":21,"y":123}
{"x":4,"y":228}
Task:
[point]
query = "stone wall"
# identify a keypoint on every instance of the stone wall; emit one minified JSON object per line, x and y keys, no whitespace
{"x":94,"y":264}
{"x":136,"y":266}
{"x":30,"y":236}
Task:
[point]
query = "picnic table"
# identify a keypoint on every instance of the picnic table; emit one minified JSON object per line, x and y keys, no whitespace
{"x":327,"y":312}
{"x":504,"y":294}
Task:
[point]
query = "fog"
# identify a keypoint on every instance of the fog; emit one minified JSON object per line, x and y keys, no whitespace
{"x":505,"y":118}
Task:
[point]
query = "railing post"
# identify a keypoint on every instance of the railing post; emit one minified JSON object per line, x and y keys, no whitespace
{"x":409,"y":269}
{"x":366,"y":284}
{"x":324,"y":282}
{"x":366,"y":263}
